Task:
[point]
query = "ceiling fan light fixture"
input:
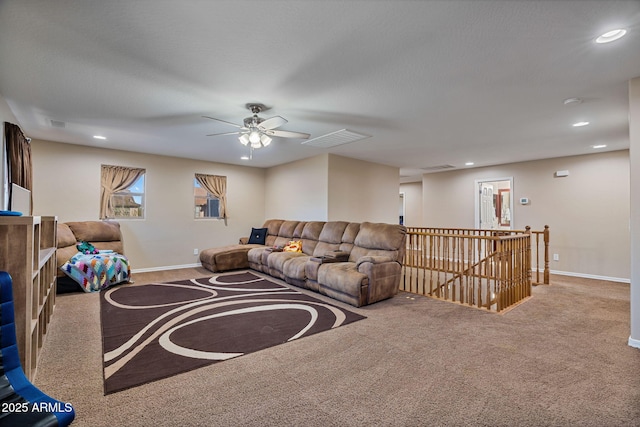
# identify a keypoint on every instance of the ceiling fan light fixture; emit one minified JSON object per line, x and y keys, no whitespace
{"x":258,"y":132}
{"x":265,"y":140}
{"x":254,"y":137}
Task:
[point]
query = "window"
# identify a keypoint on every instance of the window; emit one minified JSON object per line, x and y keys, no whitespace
{"x":123,"y":190}
{"x":209,"y":193}
{"x":206,"y":204}
{"x":129,"y":203}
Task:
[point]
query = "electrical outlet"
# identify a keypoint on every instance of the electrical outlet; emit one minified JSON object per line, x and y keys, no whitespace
{"x":195,"y":251}
{"x":556,"y":257}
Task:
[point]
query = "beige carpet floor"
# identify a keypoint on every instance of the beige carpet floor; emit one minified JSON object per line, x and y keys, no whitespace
{"x":559,"y":359}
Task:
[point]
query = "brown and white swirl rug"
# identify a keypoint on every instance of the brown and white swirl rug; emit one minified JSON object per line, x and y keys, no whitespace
{"x":154,"y":331}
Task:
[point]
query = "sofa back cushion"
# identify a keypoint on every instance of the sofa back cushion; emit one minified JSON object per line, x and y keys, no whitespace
{"x":310,"y":236}
{"x":349,"y":236}
{"x":273,"y":226}
{"x":286,"y":233}
{"x":330,"y":238}
{"x":96,"y":231}
{"x":377,"y":239}
{"x":65,"y":236}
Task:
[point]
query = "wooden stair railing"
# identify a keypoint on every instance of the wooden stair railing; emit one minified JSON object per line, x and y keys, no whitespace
{"x":463,"y":273}
{"x":489,"y":269}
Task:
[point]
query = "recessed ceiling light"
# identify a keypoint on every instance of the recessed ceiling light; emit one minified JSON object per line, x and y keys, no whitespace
{"x":580,"y":124}
{"x":612,"y":35}
{"x":469,"y":164}
{"x":99,"y":137}
{"x":572,"y":101}
{"x":244,"y":158}
{"x":600,"y":146}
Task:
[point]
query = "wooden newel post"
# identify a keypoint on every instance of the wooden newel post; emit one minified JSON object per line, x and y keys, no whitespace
{"x":528,"y":255}
{"x":546,"y":255}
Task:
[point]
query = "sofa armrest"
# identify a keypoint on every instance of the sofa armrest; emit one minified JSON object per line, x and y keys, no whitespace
{"x":243,"y":240}
{"x":311,"y":268}
{"x":384,"y":276}
{"x":373,"y":260}
{"x":336,"y":256}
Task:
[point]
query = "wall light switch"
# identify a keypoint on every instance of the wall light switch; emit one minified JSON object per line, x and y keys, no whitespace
{"x":556,"y":257}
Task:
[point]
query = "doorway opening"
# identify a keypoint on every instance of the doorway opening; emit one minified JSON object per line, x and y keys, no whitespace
{"x":494,"y":204}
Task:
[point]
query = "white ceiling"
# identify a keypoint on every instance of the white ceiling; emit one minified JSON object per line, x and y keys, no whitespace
{"x":433,"y":82}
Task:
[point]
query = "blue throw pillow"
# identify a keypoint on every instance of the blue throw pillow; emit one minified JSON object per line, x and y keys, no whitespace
{"x":258,"y":236}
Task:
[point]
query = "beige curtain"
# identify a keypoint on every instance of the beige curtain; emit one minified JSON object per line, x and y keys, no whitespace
{"x":114,"y":179}
{"x":217,"y":186}
{"x":18,"y":159}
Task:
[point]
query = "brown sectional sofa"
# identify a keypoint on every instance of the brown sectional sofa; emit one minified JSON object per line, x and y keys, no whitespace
{"x":357,"y":263}
{"x":104,"y":235}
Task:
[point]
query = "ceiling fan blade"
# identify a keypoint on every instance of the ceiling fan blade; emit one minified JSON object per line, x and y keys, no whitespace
{"x":222,"y":121}
{"x":272,"y":123}
{"x":287,"y":134}
{"x":226,"y":133}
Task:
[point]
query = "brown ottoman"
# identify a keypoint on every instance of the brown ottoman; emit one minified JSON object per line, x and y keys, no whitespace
{"x":226,"y":258}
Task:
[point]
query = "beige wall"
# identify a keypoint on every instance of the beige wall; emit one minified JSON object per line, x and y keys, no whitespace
{"x":298,"y":190}
{"x":332,"y":188}
{"x":412,"y":204}
{"x":588,"y":211}
{"x":362,"y":191}
{"x":634,"y":138}
{"x":67,"y":184}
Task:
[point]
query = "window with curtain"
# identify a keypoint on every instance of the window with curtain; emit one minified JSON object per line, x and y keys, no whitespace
{"x":19,"y":168}
{"x":210,"y":196}
{"x":122,"y":192}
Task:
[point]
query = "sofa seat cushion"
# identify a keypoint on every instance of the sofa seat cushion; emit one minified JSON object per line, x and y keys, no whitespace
{"x":63,"y":255}
{"x":294,"y":268}
{"x":277,"y":260}
{"x":255,"y":254}
{"x":342,"y":277}
{"x":94,"y":272}
{"x":226,"y":258}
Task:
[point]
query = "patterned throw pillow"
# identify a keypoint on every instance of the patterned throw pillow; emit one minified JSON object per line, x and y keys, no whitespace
{"x":293,"y":246}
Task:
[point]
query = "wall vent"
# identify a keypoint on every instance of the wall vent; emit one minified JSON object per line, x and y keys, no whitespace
{"x":57,"y":124}
{"x":437,"y":168}
{"x":340,"y":137}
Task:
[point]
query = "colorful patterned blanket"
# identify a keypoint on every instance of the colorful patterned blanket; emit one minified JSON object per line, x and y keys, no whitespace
{"x":97,"y":271}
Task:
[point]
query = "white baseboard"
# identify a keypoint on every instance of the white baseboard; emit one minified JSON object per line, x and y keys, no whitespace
{"x":591,"y":276}
{"x":634,"y":343}
{"x":168,"y":267}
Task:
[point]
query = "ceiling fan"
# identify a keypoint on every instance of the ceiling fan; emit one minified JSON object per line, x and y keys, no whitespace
{"x":256,"y":131}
